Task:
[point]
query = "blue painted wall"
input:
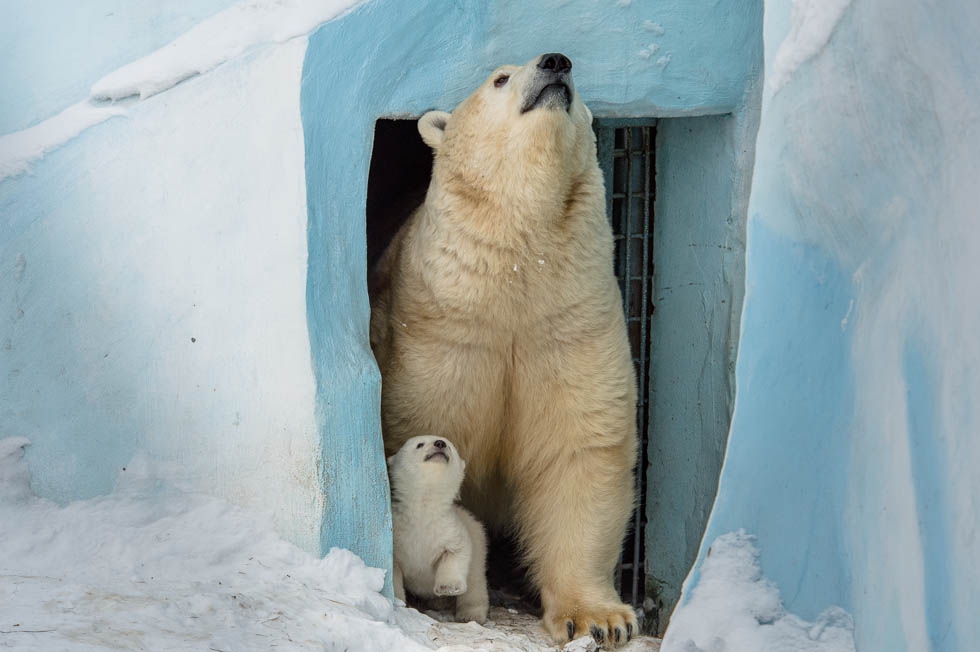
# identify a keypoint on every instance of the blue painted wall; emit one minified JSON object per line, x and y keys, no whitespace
{"x":853,"y":450}
{"x":643,"y":59}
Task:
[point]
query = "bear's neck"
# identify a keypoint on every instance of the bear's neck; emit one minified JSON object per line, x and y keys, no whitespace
{"x":540,"y":201}
{"x":424,"y":500}
{"x":424,"y":506}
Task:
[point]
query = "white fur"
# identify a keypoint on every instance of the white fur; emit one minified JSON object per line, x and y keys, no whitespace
{"x":440,"y":549}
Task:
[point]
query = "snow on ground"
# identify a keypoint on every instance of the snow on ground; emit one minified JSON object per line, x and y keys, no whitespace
{"x":734,"y":608}
{"x":224,"y":36}
{"x":154,"y":567}
{"x":151,"y":567}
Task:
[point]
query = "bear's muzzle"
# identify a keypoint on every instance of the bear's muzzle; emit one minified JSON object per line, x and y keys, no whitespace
{"x":551,"y":84}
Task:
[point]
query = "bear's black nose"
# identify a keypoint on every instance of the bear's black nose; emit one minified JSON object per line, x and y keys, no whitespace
{"x":555,"y":62}
{"x":439,"y":443}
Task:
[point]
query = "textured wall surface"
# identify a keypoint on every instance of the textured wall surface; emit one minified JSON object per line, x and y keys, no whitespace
{"x":152,"y":294}
{"x":853,"y":450}
{"x":703,"y":167}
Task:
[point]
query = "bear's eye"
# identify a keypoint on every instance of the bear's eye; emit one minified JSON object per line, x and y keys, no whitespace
{"x":420,"y":445}
{"x":500,"y":81}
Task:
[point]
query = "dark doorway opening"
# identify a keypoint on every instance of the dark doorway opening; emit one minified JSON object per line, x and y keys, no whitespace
{"x":401,"y":165}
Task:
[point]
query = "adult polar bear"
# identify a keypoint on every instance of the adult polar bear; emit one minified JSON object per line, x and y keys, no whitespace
{"x":497,"y":323}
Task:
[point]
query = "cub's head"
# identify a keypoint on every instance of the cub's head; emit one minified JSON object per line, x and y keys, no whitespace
{"x":426,"y":465}
{"x":524,"y":124}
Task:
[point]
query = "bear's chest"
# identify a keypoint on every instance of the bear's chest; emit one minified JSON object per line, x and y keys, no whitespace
{"x":513,"y":287}
{"x":421,"y":537}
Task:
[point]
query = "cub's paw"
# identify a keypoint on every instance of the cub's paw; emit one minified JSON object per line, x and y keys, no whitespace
{"x":610,"y":624}
{"x":450,"y":587}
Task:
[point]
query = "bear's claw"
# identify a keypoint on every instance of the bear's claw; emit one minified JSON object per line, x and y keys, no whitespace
{"x":598,"y":634}
{"x":609,"y":625}
{"x":619,"y":633}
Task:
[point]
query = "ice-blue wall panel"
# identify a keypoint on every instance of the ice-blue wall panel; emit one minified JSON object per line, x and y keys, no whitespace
{"x":853,"y":449}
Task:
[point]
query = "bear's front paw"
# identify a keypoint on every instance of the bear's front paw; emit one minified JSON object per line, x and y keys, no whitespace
{"x":611,"y":624}
{"x":450,"y":587}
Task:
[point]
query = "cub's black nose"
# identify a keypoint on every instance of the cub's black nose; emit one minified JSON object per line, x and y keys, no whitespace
{"x":439,"y":443}
{"x":555,"y":62}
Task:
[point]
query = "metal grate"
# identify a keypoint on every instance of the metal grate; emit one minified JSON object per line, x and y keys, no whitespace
{"x":627,"y":158}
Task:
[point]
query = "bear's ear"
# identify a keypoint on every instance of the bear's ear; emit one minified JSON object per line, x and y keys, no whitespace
{"x":391,"y":460}
{"x":432,"y":127}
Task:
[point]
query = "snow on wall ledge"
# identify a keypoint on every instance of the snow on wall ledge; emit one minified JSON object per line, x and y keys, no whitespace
{"x":853,"y":450}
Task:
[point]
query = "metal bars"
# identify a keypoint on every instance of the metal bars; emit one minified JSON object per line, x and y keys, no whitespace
{"x":627,"y":158}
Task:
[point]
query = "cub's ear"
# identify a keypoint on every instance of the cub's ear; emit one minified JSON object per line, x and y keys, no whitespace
{"x":391,"y":460}
{"x":432,"y":127}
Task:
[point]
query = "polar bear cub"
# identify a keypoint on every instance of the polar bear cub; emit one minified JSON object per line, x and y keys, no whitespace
{"x":440,"y":549}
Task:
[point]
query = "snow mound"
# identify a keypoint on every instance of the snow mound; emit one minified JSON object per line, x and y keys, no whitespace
{"x":222,"y":37}
{"x":15,"y":481}
{"x":155,"y":567}
{"x":151,"y":567}
{"x":734,"y":608}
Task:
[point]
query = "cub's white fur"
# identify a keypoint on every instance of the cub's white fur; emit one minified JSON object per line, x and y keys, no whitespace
{"x":440,"y":549}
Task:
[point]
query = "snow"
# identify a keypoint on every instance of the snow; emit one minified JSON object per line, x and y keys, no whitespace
{"x":734,"y":608}
{"x":152,"y":567}
{"x":812,"y":23}
{"x":222,"y":37}
{"x":656,"y":28}
{"x":156,"y":566}
{"x":21,"y":148}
